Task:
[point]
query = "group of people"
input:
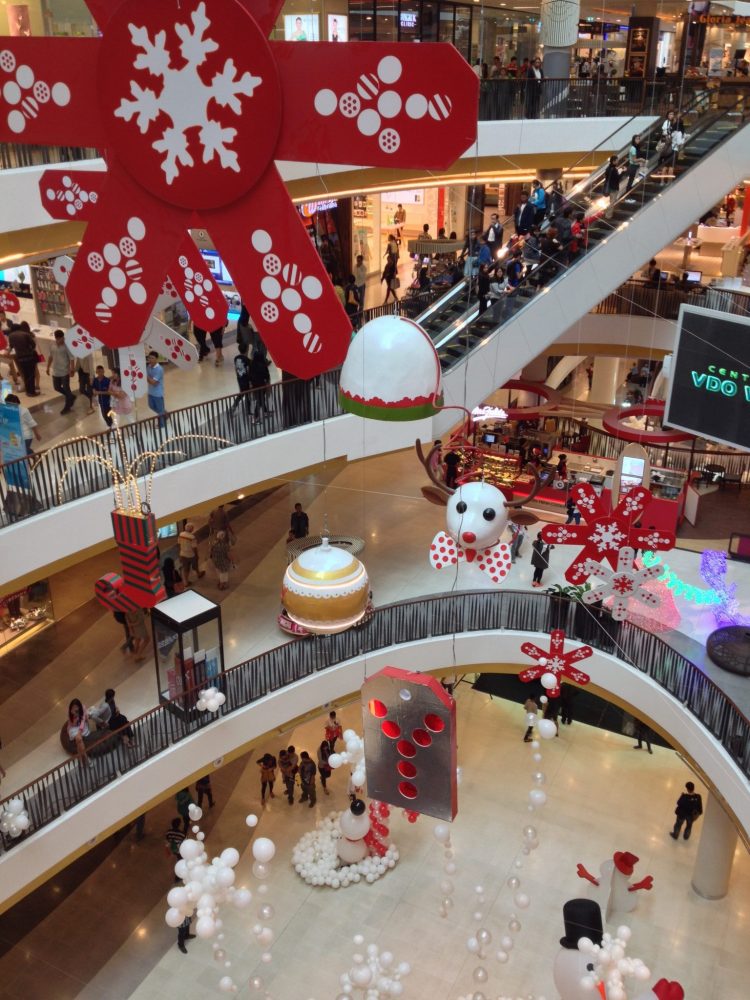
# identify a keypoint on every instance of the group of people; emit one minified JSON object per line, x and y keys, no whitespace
{"x":85,"y":726}
{"x":292,"y":765}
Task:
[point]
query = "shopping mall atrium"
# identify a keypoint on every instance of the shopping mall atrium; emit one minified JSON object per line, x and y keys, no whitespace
{"x":374,"y":522}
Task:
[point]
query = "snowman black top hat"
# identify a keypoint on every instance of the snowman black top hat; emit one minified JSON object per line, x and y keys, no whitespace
{"x":582,"y":918}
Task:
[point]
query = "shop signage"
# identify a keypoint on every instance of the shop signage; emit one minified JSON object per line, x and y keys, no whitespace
{"x":311,"y":207}
{"x":408,"y":19}
{"x":488,"y":413}
{"x":739,"y":21}
{"x":709,"y":390}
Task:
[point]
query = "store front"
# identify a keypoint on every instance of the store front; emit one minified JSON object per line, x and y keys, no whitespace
{"x":24,"y":613}
{"x":412,"y":21}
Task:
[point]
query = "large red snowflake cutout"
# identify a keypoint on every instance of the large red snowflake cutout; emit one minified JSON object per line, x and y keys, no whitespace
{"x":606,"y":532}
{"x":624,"y":584}
{"x":555,"y":661}
{"x":192,"y":105}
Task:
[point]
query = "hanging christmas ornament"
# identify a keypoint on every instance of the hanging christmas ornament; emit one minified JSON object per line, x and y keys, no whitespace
{"x":391,"y":372}
{"x":606,"y":532}
{"x":192,"y":104}
{"x":325,"y":589}
{"x":624,"y":584}
{"x":555,"y":663}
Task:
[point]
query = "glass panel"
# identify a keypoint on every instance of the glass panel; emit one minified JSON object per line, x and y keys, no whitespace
{"x":362,"y":20}
{"x":446,"y":23}
{"x":409,"y":26}
{"x":386,"y":29}
{"x":462,"y":35}
{"x":429,"y":21}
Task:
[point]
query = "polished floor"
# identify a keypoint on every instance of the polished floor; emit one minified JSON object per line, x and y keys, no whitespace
{"x":107,"y":940}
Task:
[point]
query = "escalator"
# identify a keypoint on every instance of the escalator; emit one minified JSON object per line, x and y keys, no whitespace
{"x":480,"y":351}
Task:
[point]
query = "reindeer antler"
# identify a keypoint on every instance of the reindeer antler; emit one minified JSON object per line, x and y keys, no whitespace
{"x":438,"y":493}
{"x":534,"y":489}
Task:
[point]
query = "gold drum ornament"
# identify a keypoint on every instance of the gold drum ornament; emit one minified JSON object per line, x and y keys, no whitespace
{"x":325,"y":589}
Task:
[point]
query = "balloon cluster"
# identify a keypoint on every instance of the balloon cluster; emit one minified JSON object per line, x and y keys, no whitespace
{"x":379,"y":811}
{"x":210,"y":700}
{"x":374,"y":974}
{"x":208,"y":885}
{"x":316,"y":860}
{"x":14,"y":820}
{"x":610,"y":964}
{"x":354,"y":755}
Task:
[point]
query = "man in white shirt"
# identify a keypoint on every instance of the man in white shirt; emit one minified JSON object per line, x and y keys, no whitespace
{"x":189,"y":552}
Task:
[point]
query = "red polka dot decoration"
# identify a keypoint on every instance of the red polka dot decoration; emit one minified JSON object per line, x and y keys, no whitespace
{"x":410,"y":738}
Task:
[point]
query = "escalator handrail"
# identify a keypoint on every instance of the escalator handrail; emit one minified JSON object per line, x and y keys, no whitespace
{"x":710,"y":119}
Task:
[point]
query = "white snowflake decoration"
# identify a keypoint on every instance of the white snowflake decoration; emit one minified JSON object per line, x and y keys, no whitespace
{"x":184,"y":97}
{"x":624,"y":584}
{"x":607,"y":536}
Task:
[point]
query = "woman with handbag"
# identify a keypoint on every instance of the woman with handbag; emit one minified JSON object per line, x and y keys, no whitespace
{"x":390,"y":277}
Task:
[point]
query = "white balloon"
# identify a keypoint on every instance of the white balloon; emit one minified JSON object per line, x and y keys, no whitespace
{"x":263,"y":849}
{"x":173,"y":917}
{"x":230,"y":856}
{"x":251,"y":820}
{"x":205,"y":927}
{"x":537,"y":797}
{"x":226,"y":984}
{"x":177,"y":896}
{"x":191,"y":849}
{"x":547,"y":729}
{"x":441,"y":833}
{"x":549,"y":681}
{"x":242,"y":898}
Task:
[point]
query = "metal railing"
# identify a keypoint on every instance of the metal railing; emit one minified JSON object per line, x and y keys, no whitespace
{"x":18,"y":154}
{"x":505,"y":99}
{"x":52,"y":794}
{"x":663,"y":301}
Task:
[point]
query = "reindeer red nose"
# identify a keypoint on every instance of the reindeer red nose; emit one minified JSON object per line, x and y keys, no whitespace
{"x":469,"y":536}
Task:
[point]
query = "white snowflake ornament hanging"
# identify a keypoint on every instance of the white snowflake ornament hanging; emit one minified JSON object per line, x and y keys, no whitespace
{"x":624,"y":584}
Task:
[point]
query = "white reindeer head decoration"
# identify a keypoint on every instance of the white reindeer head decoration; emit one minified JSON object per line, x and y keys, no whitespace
{"x":477,"y":515}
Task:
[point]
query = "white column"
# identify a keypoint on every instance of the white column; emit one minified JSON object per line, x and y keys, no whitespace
{"x":559,"y":32}
{"x":606,"y":380}
{"x":713,"y":863}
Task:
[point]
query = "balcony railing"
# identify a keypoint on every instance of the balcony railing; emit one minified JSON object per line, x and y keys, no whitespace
{"x":29,"y":485}
{"x":48,"y":797}
{"x":18,"y":154}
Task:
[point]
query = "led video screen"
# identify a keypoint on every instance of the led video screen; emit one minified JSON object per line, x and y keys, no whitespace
{"x":709,"y":389}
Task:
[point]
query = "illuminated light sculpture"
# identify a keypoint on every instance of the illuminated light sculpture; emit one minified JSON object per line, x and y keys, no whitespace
{"x":192,"y":104}
{"x":554,"y":664}
{"x":325,"y":589}
{"x":410,"y":742}
{"x":606,"y":532}
{"x":133,"y":524}
{"x":678,"y":586}
{"x":714,"y":572}
{"x":391,"y":372}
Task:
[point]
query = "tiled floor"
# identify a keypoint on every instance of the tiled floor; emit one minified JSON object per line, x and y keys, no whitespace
{"x":108,"y":940}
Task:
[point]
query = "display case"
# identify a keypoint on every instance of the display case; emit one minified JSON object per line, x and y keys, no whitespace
{"x":667,"y":484}
{"x":188,"y":648}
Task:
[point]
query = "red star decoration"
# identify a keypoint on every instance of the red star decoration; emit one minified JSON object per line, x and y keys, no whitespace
{"x":192,"y":105}
{"x":556,"y":662}
{"x":606,"y":532}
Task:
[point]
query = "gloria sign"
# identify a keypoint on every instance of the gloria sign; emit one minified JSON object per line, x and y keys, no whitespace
{"x":709,"y":391}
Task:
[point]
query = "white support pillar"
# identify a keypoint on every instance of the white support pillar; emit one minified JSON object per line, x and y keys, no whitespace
{"x":605,"y":381}
{"x":713,"y":863}
{"x":562,"y":369}
{"x":559,"y":33}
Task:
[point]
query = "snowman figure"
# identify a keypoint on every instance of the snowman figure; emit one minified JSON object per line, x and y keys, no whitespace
{"x":354,"y":824}
{"x":583,"y":919}
{"x":614,"y":879}
{"x":663,"y":990}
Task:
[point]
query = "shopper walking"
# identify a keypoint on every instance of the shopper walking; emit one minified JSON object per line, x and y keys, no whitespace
{"x":217,"y":339}
{"x":100,"y":387}
{"x":203,"y":790}
{"x":28,"y":424}
{"x":688,"y":809}
{"x":307,"y":771}
{"x":23,"y":347}
{"x":183,"y":934}
{"x":519,"y":533}
{"x":287,"y":775}
{"x":574,"y":513}
{"x":324,"y":768}
{"x":567,"y":694}
{"x":242,"y":372}
{"x":184,"y":800}
{"x":188,"y":547}
{"x":635,"y":161}
{"x":85,"y":370}
{"x":173,"y":838}
{"x":530,"y":707}
{"x":201,"y":337}
{"x":360,"y":278}
{"x":611,"y":185}
{"x":220,"y":557}
{"x":267,"y":765}
{"x":299,"y":525}
{"x":390,"y":278}
{"x":120,"y":402}
{"x":62,"y":363}
{"x":333,"y":731}
{"x":642,"y":734}
{"x":539,"y":559}
{"x":260,"y":380}
{"x":155,"y":379}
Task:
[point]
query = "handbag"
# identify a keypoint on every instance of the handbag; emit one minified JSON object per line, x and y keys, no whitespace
{"x":397,"y":283}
